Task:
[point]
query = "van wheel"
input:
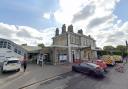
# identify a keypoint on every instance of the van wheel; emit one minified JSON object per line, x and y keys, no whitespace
{"x":18,"y":70}
{"x":2,"y":71}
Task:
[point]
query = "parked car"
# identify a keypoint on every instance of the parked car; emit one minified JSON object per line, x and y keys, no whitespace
{"x":89,"y":68}
{"x":11,"y":64}
{"x":102,"y":64}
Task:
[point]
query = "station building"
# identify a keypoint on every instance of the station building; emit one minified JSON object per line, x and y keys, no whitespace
{"x":69,"y":47}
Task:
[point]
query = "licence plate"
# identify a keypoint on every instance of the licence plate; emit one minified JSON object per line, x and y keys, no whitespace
{"x":12,"y":64}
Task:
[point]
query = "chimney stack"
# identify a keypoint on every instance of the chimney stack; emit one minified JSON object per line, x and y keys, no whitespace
{"x":57,"y":32}
{"x":70,"y":28}
{"x":63,"y":28}
{"x":80,"y":31}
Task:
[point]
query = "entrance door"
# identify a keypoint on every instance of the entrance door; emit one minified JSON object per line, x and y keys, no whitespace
{"x":73,"y":56}
{"x":47,"y":58}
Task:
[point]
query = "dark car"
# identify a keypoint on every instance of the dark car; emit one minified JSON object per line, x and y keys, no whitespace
{"x":89,"y":68}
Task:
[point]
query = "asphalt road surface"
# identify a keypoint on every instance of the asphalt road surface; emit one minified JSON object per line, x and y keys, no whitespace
{"x":72,"y":80}
{"x":69,"y":80}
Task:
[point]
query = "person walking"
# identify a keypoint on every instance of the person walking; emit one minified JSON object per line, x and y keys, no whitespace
{"x":25,"y":62}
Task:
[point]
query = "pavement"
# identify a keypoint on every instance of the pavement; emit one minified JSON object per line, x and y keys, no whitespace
{"x":33,"y":75}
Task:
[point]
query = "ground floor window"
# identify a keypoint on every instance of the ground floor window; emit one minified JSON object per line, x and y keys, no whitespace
{"x":63,"y":58}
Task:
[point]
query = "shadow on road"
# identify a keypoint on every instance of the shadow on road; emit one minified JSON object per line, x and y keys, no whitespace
{"x":6,"y":74}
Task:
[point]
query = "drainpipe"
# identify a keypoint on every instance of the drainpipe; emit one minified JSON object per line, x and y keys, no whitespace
{"x":69,"y":48}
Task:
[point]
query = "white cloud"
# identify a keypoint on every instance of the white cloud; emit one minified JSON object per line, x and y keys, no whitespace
{"x":24,"y":34}
{"x":46,"y":15}
{"x":95,"y":17}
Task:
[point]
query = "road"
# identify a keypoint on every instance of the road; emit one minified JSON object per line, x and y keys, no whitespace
{"x":72,"y":80}
{"x":68,"y":80}
{"x":34,"y":73}
{"x":7,"y":77}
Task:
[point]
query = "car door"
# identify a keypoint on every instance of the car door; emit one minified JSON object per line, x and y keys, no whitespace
{"x":84,"y":68}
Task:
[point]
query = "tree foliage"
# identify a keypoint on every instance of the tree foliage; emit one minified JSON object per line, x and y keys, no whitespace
{"x":121,"y":48}
{"x":108,"y":48}
{"x":41,"y":45}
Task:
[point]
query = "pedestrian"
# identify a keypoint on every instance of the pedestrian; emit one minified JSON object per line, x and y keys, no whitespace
{"x":25,"y":62}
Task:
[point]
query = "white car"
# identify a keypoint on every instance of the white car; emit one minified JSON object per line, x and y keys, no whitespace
{"x":11,"y":64}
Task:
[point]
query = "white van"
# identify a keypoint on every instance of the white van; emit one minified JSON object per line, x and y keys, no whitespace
{"x":11,"y":64}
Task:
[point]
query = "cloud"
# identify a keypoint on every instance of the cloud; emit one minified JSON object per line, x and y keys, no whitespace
{"x":100,"y":20}
{"x":46,"y":15}
{"x":84,"y":13}
{"x":95,"y":17}
{"x":25,"y":34}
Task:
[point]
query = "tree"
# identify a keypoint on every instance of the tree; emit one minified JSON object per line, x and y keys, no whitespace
{"x":108,"y":48}
{"x":41,"y":45}
{"x":121,"y":48}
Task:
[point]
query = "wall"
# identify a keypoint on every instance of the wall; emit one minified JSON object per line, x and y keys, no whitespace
{"x":60,"y":40}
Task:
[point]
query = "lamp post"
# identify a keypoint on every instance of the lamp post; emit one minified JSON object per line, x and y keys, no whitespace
{"x":126,"y":49}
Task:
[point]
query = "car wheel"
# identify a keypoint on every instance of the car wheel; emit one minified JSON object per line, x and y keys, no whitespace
{"x":91,"y":73}
{"x":73,"y":69}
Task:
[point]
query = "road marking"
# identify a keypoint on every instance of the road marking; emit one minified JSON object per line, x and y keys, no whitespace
{"x":42,"y":81}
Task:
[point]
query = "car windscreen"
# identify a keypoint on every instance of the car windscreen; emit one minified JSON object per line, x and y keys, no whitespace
{"x":12,"y":61}
{"x":91,"y":65}
{"x":83,"y":65}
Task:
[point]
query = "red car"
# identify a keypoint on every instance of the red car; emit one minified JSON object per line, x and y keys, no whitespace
{"x":102,"y":64}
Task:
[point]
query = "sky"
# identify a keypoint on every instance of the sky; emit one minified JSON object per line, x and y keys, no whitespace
{"x":35,"y":21}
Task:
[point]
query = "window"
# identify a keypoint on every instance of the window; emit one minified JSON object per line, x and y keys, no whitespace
{"x":15,"y":50}
{"x":1,"y":44}
{"x":72,"y":39}
{"x":9,"y":47}
{"x":77,"y":40}
{"x":19,"y":52}
{"x":5,"y":45}
{"x":13,"y":61}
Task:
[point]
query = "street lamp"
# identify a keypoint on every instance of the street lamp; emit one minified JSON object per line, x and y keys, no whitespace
{"x":126,"y":49}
